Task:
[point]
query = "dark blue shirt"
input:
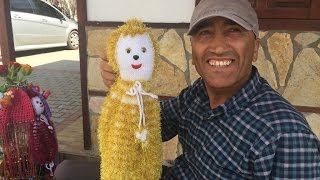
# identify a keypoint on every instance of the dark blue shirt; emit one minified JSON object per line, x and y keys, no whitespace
{"x":256,"y":134}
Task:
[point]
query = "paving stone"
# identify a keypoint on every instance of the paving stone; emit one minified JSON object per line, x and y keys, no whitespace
{"x":65,"y":88}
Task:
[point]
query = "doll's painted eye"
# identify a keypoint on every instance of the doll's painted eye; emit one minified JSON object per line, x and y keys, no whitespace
{"x":143,"y":49}
{"x":128,"y":50}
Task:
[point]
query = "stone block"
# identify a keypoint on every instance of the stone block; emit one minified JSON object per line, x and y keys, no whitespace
{"x":265,"y":69}
{"x":95,"y":81}
{"x":95,"y":103}
{"x":303,"y":87}
{"x":281,"y":50}
{"x":97,"y":40}
{"x":171,"y":47}
{"x":167,"y":81}
{"x":306,"y":38}
{"x":170,"y":149}
{"x":314,"y":122}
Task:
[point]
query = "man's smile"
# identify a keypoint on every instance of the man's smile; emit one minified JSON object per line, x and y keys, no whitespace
{"x":220,"y":62}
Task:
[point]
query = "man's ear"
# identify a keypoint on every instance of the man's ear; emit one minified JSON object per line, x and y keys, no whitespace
{"x":256,"y":50}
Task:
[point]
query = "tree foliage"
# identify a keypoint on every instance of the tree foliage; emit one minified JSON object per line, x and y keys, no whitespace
{"x":68,"y":7}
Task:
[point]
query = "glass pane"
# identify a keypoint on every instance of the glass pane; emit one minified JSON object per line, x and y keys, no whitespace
{"x":44,"y":9}
{"x":20,"y":6}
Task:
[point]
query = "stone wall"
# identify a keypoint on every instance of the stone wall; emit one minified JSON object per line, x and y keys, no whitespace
{"x":290,"y":62}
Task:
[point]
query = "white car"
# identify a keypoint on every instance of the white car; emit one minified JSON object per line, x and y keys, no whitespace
{"x":36,"y":25}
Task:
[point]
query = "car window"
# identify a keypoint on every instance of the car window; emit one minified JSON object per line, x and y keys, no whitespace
{"x":21,"y":6}
{"x":44,"y":9}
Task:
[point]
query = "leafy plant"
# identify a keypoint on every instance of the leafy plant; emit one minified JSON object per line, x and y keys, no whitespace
{"x":14,"y":75}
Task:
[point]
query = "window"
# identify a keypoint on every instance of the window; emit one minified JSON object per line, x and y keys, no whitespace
{"x":21,"y":6}
{"x":44,"y":9}
{"x":286,"y":9}
{"x":288,"y":14}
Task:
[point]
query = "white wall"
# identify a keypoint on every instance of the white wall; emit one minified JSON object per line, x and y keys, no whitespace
{"x":154,"y":11}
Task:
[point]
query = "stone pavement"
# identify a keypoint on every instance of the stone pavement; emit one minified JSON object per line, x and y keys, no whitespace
{"x":65,"y":88}
{"x":58,"y":71}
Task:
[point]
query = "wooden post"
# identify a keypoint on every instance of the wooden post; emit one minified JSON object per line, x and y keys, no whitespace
{"x":6,"y":40}
{"x":82,"y":19}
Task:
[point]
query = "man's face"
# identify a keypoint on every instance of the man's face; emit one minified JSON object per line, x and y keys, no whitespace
{"x":223,"y":52}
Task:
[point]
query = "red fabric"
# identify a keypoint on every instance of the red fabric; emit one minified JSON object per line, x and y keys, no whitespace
{"x":43,"y":142}
{"x":15,"y":125}
{"x":4,"y":115}
{"x":17,"y":160}
{"x":22,"y":109}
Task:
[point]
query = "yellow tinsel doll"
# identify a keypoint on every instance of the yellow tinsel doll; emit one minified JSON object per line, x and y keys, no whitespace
{"x":129,"y":125}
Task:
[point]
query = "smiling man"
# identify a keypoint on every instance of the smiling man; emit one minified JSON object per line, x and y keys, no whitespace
{"x":230,"y":122}
{"x":223,"y":52}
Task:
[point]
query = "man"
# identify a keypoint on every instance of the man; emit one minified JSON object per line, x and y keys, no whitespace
{"x":230,"y":122}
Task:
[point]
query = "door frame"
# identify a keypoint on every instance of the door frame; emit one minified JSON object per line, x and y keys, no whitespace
{"x":6,"y":40}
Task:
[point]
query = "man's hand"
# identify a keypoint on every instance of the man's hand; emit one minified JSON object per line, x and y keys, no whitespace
{"x":107,"y":73}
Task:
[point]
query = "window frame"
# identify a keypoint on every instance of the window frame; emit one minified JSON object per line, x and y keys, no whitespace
{"x":294,"y":17}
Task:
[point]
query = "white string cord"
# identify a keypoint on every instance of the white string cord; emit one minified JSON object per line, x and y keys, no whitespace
{"x":137,"y":90}
{"x":49,"y":167}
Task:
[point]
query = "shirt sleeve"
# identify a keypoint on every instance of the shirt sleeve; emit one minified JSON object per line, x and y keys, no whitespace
{"x":170,"y":118}
{"x":290,"y":156}
{"x":171,"y":115}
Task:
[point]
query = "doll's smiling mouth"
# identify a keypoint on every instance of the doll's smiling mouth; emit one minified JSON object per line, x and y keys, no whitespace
{"x":136,"y":66}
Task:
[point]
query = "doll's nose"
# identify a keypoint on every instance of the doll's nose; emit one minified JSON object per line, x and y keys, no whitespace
{"x":135,"y":57}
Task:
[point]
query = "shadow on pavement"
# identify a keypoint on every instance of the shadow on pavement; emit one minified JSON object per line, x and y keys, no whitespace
{"x":38,"y":51}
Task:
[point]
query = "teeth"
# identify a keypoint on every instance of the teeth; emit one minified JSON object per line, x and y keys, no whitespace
{"x":220,"y":63}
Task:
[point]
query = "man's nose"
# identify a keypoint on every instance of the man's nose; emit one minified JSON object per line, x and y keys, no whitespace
{"x":219,"y":43}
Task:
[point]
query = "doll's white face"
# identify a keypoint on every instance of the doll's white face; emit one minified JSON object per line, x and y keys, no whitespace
{"x":135,"y":57}
{"x":37,"y":105}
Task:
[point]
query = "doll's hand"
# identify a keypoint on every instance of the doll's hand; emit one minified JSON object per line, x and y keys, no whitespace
{"x":107,"y":74}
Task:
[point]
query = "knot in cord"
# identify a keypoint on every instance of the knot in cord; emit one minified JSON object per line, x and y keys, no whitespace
{"x":137,"y":90}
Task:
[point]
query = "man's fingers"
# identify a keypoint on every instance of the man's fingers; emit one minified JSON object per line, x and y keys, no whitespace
{"x":110,"y":76}
{"x":108,"y":83}
{"x":104,"y":66}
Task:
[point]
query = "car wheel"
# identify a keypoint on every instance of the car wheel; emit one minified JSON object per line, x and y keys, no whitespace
{"x":73,"y":40}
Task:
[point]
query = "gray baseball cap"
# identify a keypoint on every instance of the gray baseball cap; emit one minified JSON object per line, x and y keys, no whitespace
{"x":239,"y":11}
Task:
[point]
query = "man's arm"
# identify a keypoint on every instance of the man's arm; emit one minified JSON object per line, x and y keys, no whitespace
{"x":294,"y":155}
{"x":170,"y":118}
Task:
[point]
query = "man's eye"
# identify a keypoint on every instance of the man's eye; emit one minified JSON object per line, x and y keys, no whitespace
{"x":234,"y":30}
{"x":128,"y":50}
{"x":204,"y":32}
